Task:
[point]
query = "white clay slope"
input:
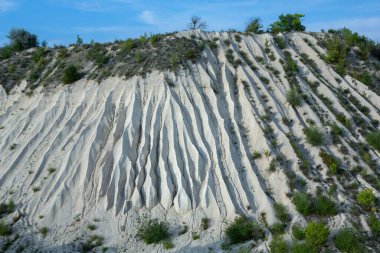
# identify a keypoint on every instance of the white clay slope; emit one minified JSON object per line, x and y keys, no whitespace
{"x":124,"y":148}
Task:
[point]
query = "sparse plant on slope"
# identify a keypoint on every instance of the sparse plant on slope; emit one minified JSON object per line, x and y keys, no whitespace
{"x":366,"y":198}
{"x":346,"y":240}
{"x":302,"y":202}
{"x":373,"y":139}
{"x":242,"y":229}
{"x":303,"y":248}
{"x":314,"y":136}
{"x":70,"y":75}
{"x":4,"y":229}
{"x":281,"y":212}
{"x":278,"y":245}
{"x":152,"y":231}
{"x":293,"y":97}
{"x":288,"y":23}
{"x":316,"y":234}
{"x":324,"y":206}
{"x":374,"y":224}
{"x":254,"y":25}
{"x":298,"y":232}
{"x":281,"y":43}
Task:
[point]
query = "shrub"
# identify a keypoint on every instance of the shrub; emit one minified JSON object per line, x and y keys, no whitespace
{"x":298,"y":232}
{"x":205,"y":222}
{"x":242,"y":229}
{"x":347,"y":241}
{"x":302,"y":202}
{"x":254,"y":25}
{"x":293,"y":97}
{"x":70,"y":75}
{"x":278,"y":245}
{"x":152,"y":231}
{"x":303,"y":248}
{"x":191,"y":54}
{"x":168,"y":245}
{"x":316,"y":234}
{"x":92,"y":242}
{"x":44,"y":231}
{"x":281,"y":43}
{"x":5,"y":52}
{"x":7,"y":208}
{"x":128,"y":45}
{"x":330,"y":161}
{"x":366,"y":198}
{"x":20,"y":39}
{"x":374,"y":224}
{"x":288,"y":23}
{"x":314,"y":136}
{"x":277,"y":228}
{"x":98,"y":55}
{"x":281,"y":212}
{"x":4,"y":229}
{"x":195,"y":236}
{"x":373,"y":139}
{"x":324,"y":206}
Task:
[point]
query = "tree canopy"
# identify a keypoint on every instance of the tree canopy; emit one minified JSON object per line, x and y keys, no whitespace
{"x":288,"y":23}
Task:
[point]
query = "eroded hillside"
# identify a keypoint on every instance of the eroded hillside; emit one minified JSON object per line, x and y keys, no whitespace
{"x":223,"y":124}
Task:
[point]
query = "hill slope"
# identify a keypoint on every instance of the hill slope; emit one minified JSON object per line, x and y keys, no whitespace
{"x":216,"y":138}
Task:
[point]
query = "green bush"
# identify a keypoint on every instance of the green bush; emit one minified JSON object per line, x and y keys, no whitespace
{"x":331,"y":162}
{"x":293,"y":97}
{"x":303,"y":203}
{"x":20,"y":39}
{"x":168,"y":245}
{"x":254,"y":25}
{"x":324,"y":206}
{"x":303,"y":248}
{"x":281,"y":212}
{"x":373,"y":139}
{"x":277,"y":228}
{"x":374,"y":224}
{"x":298,"y":232}
{"x":281,"y":43}
{"x":7,"y":208}
{"x":288,"y":23}
{"x":70,"y":75}
{"x":4,"y":229}
{"x":205,"y":223}
{"x":314,"y":136}
{"x":152,"y":231}
{"x":98,"y":55}
{"x":128,"y":45}
{"x":5,"y":52}
{"x":366,"y":198}
{"x":278,"y":245}
{"x":316,"y":234}
{"x":347,"y":241}
{"x":242,"y":229}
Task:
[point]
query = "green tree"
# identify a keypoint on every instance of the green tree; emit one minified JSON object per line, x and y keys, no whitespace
{"x":21,"y":39}
{"x":288,"y":23}
{"x":254,"y":25}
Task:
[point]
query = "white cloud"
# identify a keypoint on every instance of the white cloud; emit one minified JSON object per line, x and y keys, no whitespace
{"x":148,"y":17}
{"x":6,"y":5}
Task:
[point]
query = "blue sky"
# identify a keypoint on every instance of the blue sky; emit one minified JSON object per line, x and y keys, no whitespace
{"x":59,"y":21}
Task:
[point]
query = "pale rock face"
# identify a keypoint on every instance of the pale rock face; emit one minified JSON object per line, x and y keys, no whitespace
{"x":124,"y":148}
